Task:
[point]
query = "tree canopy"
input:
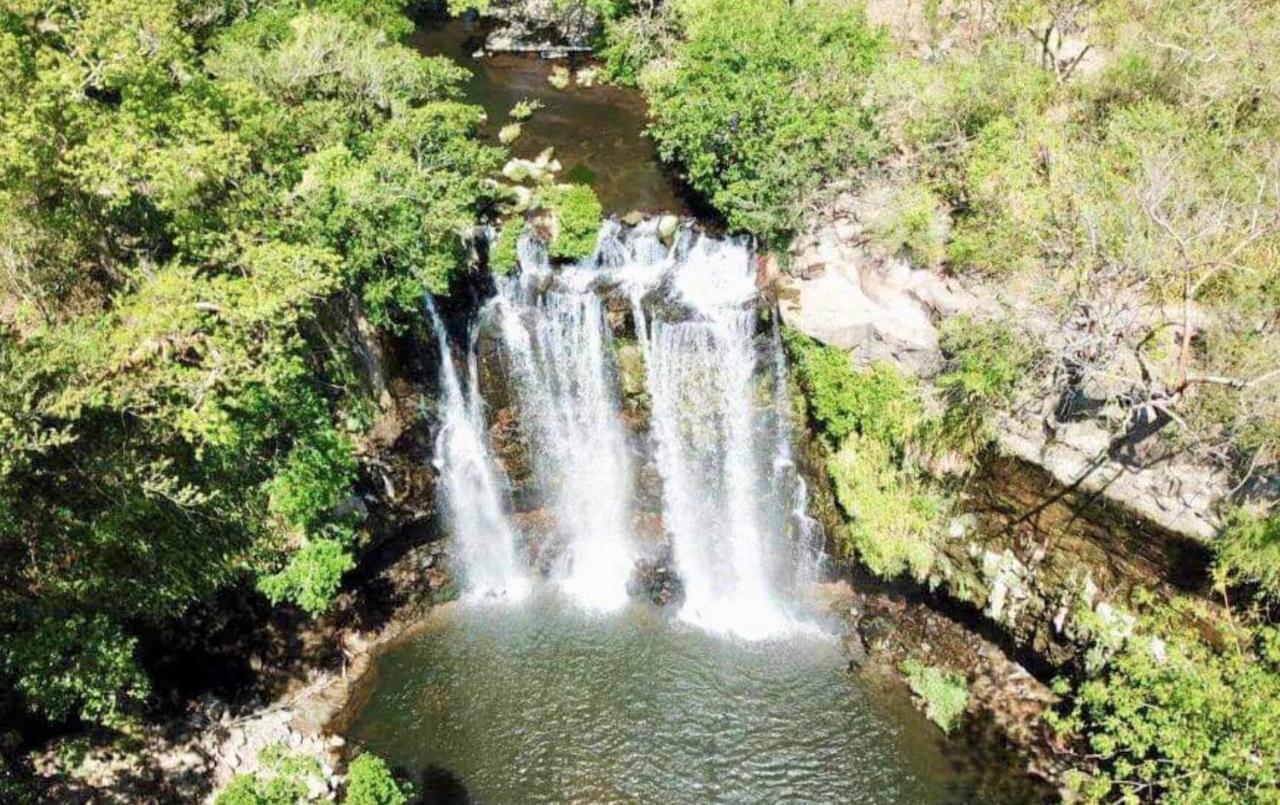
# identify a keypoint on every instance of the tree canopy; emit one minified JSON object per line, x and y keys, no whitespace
{"x":190,"y":194}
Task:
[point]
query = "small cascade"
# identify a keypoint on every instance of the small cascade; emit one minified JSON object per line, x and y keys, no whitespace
{"x":473,"y":494}
{"x":558,"y":345}
{"x":806,"y":538}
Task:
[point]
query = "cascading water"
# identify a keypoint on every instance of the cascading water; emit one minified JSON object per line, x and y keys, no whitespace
{"x":485,"y":542}
{"x":732,"y":502}
{"x":717,"y":443}
{"x":558,"y":344}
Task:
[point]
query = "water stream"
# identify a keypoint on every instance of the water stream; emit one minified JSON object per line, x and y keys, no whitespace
{"x":573,"y":688}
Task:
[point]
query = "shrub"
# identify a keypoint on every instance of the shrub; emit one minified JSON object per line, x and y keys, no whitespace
{"x":878,"y":402}
{"x":524,"y":108}
{"x":313,"y":574}
{"x":1248,"y":551}
{"x":282,"y":780}
{"x":504,"y":256}
{"x":893,"y":520}
{"x":1171,"y":719}
{"x":578,"y":214}
{"x":370,"y":782}
{"x":761,"y":104}
{"x":985,"y":361}
{"x":945,"y":693}
{"x":509,"y":133}
{"x":914,"y":223}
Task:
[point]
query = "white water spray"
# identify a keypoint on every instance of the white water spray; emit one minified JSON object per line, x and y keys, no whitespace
{"x":485,"y":541}
{"x":558,"y":343}
{"x":716,"y":446}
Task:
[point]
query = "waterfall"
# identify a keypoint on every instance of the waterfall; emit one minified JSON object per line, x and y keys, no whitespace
{"x":485,"y":542}
{"x":559,"y":349}
{"x":719,"y":436}
{"x":718,"y":443}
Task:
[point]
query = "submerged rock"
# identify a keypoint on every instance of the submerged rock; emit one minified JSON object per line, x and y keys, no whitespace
{"x":655,"y":579}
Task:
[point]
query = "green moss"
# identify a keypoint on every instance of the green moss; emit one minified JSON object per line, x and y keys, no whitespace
{"x":893,"y":520}
{"x":945,"y":693}
{"x":504,"y":257}
{"x":578,"y":213}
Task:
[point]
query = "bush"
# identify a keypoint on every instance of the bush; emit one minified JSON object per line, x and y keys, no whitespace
{"x":504,"y":256}
{"x":878,"y":402}
{"x":945,"y":693}
{"x":761,"y":104}
{"x":313,"y":574}
{"x":282,"y":780}
{"x":1249,"y":552}
{"x":1171,"y":719}
{"x":578,"y":215}
{"x":912,"y":222}
{"x":370,"y":782}
{"x":893,"y":520}
{"x":985,"y":361}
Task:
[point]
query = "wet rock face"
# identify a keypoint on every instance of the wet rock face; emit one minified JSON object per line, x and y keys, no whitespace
{"x":655,"y":579}
{"x":882,"y":629}
{"x":1033,"y":556}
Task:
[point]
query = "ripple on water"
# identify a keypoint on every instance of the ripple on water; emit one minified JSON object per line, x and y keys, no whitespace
{"x":547,"y":703}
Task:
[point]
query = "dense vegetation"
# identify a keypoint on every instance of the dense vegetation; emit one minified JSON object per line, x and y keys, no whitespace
{"x":1108,"y":169}
{"x":194,"y":200}
{"x":1110,"y":165}
{"x":759,"y":105}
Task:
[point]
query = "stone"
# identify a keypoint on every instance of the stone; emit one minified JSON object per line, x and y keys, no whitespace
{"x":516,"y":170}
{"x":667,"y":226}
{"x":633,"y":218}
{"x":509,"y":133}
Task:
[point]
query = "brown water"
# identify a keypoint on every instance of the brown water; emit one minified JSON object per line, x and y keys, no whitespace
{"x":597,"y":132}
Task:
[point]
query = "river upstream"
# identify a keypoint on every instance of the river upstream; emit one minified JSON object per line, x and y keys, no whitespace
{"x":553,"y":678}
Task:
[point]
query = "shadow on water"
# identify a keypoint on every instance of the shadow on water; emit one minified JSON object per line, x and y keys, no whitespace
{"x":439,"y":786}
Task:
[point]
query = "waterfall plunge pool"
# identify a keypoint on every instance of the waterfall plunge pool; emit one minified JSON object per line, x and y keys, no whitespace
{"x":543,"y":701}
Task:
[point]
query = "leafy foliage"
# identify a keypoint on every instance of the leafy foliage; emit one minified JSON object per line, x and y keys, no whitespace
{"x":985,"y":363}
{"x":504,"y":256}
{"x":578,"y":213}
{"x":1174,"y":720}
{"x":370,"y":782}
{"x":945,"y":693}
{"x":878,"y":402}
{"x":893,"y":519}
{"x":912,"y":222}
{"x":1248,"y":551}
{"x":188,"y":196}
{"x":282,"y":780}
{"x":759,"y":103}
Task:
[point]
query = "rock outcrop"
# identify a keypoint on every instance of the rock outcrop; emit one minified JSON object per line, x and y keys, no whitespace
{"x":541,"y":26}
{"x":842,"y":291}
